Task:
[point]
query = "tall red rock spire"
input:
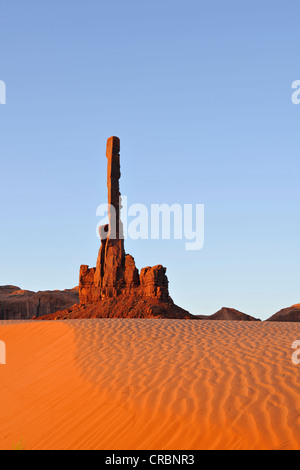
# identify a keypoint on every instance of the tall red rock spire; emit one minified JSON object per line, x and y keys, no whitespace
{"x":116,"y":272}
{"x":114,"y":256}
{"x":113,"y":187}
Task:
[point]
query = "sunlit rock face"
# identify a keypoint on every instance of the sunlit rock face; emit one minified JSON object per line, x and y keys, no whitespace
{"x":115,"y":272}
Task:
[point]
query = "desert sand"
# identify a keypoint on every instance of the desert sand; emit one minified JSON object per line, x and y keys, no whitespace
{"x":149,"y":384}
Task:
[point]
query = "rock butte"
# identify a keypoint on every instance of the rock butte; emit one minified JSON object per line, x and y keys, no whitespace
{"x":115,"y":288}
{"x":115,"y":272}
{"x":228,"y":314}
{"x":290,"y":314}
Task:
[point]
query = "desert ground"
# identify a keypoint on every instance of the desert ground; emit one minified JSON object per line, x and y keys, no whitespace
{"x":149,"y":384}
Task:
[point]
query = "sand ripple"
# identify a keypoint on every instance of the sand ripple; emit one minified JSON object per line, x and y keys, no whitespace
{"x":150,"y":384}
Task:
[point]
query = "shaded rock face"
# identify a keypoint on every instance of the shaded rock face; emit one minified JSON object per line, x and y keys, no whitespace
{"x":228,"y":314}
{"x":115,"y":273}
{"x":17,"y":304}
{"x":290,"y":314}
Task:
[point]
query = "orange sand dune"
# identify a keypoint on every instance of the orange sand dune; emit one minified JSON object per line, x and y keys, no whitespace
{"x":149,"y":384}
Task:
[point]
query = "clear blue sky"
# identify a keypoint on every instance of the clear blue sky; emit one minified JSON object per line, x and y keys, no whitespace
{"x":200,"y":95}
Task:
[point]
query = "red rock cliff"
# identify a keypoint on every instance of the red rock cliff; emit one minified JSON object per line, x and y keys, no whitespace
{"x":17,"y":304}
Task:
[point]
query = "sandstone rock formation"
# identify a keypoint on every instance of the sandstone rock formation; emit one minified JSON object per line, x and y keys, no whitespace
{"x":228,"y":314}
{"x":17,"y":304}
{"x":115,"y":273}
{"x":290,"y":314}
{"x":114,"y":288}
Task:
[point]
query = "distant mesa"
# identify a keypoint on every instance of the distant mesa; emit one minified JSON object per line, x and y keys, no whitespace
{"x":290,"y":314}
{"x":17,"y":304}
{"x":228,"y":314}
